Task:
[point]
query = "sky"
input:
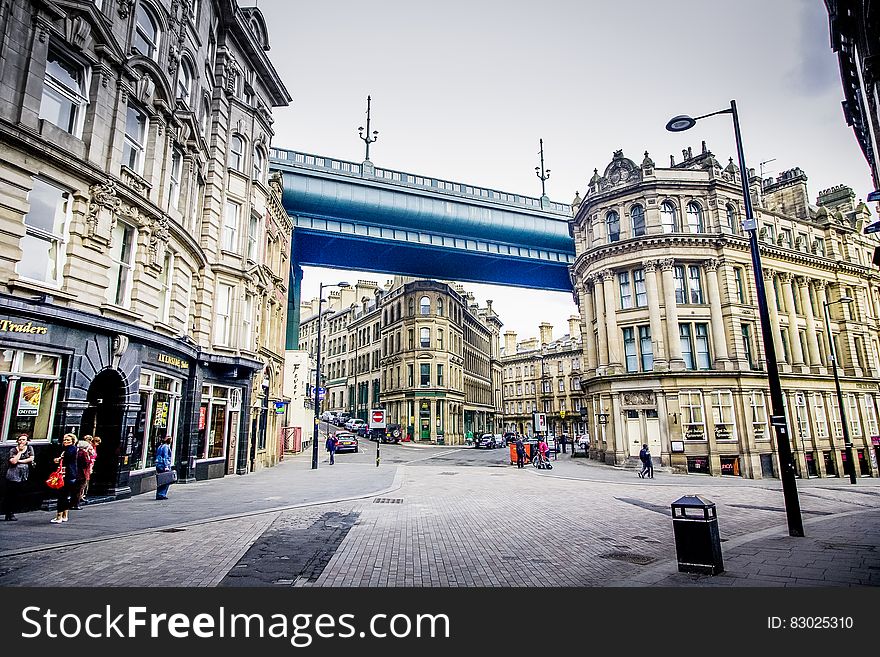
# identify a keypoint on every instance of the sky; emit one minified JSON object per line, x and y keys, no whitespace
{"x":464,"y":91}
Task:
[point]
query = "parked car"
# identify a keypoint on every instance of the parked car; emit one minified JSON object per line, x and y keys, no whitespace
{"x":509,"y":438}
{"x":328,"y":416}
{"x":393,"y":433}
{"x":340,"y":419}
{"x":489,"y":441}
{"x":348,"y":442}
{"x":354,"y":423}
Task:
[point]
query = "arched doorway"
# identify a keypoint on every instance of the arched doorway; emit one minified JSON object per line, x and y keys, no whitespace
{"x":103,"y":418}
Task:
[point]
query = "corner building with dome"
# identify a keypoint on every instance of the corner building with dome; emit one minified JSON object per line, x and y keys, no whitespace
{"x":673,"y":352}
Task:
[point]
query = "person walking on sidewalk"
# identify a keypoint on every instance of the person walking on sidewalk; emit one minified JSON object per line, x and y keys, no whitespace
{"x":67,"y":493}
{"x":332,"y":443}
{"x":163,"y":464}
{"x":20,"y":458}
{"x":647,"y":464}
{"x":520,"y":452}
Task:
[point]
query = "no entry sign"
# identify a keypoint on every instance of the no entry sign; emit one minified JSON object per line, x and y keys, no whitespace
{"x":377,"y":419}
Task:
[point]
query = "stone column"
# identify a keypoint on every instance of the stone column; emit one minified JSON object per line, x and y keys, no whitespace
{"x":770,"y":289}
{"x":794,"y":338}
{"x":812,"y":339}
{"x":676,"y":362}
{"x":588,"y":314}
{"x":614,"y":340}
{"x":599,"y":295}
{"x":719,"y":339}
{"x":660,"y":358}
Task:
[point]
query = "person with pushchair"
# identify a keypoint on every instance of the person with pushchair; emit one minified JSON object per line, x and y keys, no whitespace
{"x":543,"y":461}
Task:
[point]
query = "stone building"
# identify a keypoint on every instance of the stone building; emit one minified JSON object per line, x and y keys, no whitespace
{"x":543,"y":375}
{"x":143,"y":252}
{"x":423,"y":350}
{"x":672,"y":343}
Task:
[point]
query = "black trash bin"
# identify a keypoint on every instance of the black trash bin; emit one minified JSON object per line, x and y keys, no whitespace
{"x":697,"y":543}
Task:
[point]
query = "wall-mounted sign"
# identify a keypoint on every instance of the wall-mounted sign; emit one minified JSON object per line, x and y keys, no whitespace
{"x":174,"y":361}
{"x":279,"y":407}
{"x":33,"y":329}
{"x":203,"y":414}
{"x":677,"y":446}
{"x":29,"y":399}
{"x":540,"y":422}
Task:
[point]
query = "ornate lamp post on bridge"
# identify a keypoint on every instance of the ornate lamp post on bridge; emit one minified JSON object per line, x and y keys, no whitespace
{"x":777,"y":419}
{"x":543,"y":174}
{"x":368,"y":139}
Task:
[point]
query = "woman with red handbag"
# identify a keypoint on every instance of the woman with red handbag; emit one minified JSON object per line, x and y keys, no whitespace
{"x":67,"y":494}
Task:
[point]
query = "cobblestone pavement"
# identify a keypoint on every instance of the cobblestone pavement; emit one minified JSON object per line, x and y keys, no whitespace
{"x":436,"y":517}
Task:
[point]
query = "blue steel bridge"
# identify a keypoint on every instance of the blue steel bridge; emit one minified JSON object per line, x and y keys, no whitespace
{"x":349,"y":215}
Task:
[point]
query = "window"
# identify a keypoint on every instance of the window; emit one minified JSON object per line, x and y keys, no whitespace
{"x":230,"y":226}
{"x":206,"y":117}
{"x":425,"y":374}
{"x":637,"y":212}
{"x":223,"y":315}
{"x":424,"y":306}
{"x":561,"y":385}
{"x":174,"y":179}
{"x":440,"y":339}
{"x":819,"y":416}
{"x":247,"y":321}
{"x":146,"y":32}
{"x":770,"y":233}
{"x":122,"y":247}
{"x":800,"y":415}
{"x":559,"y":369}
{"x":253,"y":247}
{"x":612,"y":222}
{"x":695,"y":288}
{"x":695,"y":217}
{"x":691,"y":405}
{"x":870,"y":415}
{"x":629,"y":349}
{"x":65,"y":94}
{"x":695,"y":346}
{"x":166,"y":280}
{"x":259,"y":164}
{"x":855,"y":426}
{"x":410,"y":341}
{"x":187,"y":299}
{"x":641,"y":292}
{"x":136,"y":127}
{"x":836,"y":424}
{"x":759,"y":415}
{"x":439,"y":374}
{"x":785,"y":236}
{"x":184,"y":82}
{"x":43,"y":245}
{"x":646,"y":348}
{"x":722,"y":415}
{"x":702,"y":333}
{"x":576,"y":384}
{"x":411,"y":311}
{"x":439,"y":307}
{"x":730,"y":219}
{"x":425,"y":338}
{"x":680,"y":290}
{"x":748,"y":346}
{"x":625,"y":290}
{"x":409,"y":375}
{"x":819,"y":246}
{"x":739,"y":277}
{"x":28,"y":394}
{"x":236,"y":153}
{"x":668,"y":220}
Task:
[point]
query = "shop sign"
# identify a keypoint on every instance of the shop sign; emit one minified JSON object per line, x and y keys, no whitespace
{"x":174,"y":361}
{"x":279,"y":408}
{"x":203,"y":413}
{"x":8,"y":326}
{"x":29,"y":399}
{"x":161,"y":421}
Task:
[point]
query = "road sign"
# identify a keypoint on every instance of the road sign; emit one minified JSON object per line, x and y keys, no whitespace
{"x":279,"y":408}
{"x":872,"y":228}
{"x":321,"y":393}
{"x":377,"y":418}
{"x":540,"y":423}
{"x":561,"y":413}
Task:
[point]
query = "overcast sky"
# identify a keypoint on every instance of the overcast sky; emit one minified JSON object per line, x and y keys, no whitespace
{"x":464,"y":90}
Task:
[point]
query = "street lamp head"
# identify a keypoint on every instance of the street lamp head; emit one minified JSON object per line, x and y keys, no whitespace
{"x":680,"y":123}
{"x":342,"y":284}
{"x":845,"y":299}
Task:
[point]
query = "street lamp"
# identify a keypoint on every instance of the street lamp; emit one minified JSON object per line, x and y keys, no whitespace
{"x":777,"y":419}
{"x":847,"y":441}
{"x":321,"y":287}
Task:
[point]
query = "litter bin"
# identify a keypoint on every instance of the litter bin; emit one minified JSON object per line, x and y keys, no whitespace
{"x":697,"y":543}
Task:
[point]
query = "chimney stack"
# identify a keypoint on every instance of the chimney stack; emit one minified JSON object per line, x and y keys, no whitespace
{"x":546,"y":330}
{"x":574,"y":327}
{"x":509,"y":343}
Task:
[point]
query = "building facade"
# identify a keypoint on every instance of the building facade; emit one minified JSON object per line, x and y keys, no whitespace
{"x":672,"y":340}
{"x":423,"y":350}
{"x":543,"y":375}
{"x":143,"y":252}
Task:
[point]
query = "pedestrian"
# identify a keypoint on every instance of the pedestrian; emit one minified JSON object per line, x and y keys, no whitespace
{"x":20,"y":459}
{"x":564,"y":440}
{"x":67,"y":493}
{"x":542,"y":450}
{"x":163,"y":464}
{"x":520,"y":452}
{"x":94,"y":441}
{"x":332,"y":444}
{"x":83,"y":471}
{"x":647,"y":467}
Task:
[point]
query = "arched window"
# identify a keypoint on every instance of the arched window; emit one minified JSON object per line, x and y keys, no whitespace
{"x":411,"y":308}
{"x":424,"y":306}
{"x":424,"y":338}
{"x":612,"y":221}
{"x":206,"y":116}
{"x":730,"y":217}
{"x":439,"y":307}
{"x":668,"y":220}
{"x":637,"y":213}
{"x":695,"y":217}
{"x":146,"y":32}
{"x":236,"y":152}
{"x":184,"y":81}
{"x":259,"y":163}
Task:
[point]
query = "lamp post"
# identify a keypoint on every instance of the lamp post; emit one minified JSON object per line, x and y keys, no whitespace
{"x":321,"y":287}
{"x":543,"y":174}
{"x":777,"y":419}
{"x":368,"y":139}
{"x":847,"y":440}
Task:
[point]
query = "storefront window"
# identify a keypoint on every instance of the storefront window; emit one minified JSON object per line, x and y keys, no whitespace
{"x":730,"y":466}
{"x":28,"y":393}
{"x":160,"y":406}
{"x":218,"y":420}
